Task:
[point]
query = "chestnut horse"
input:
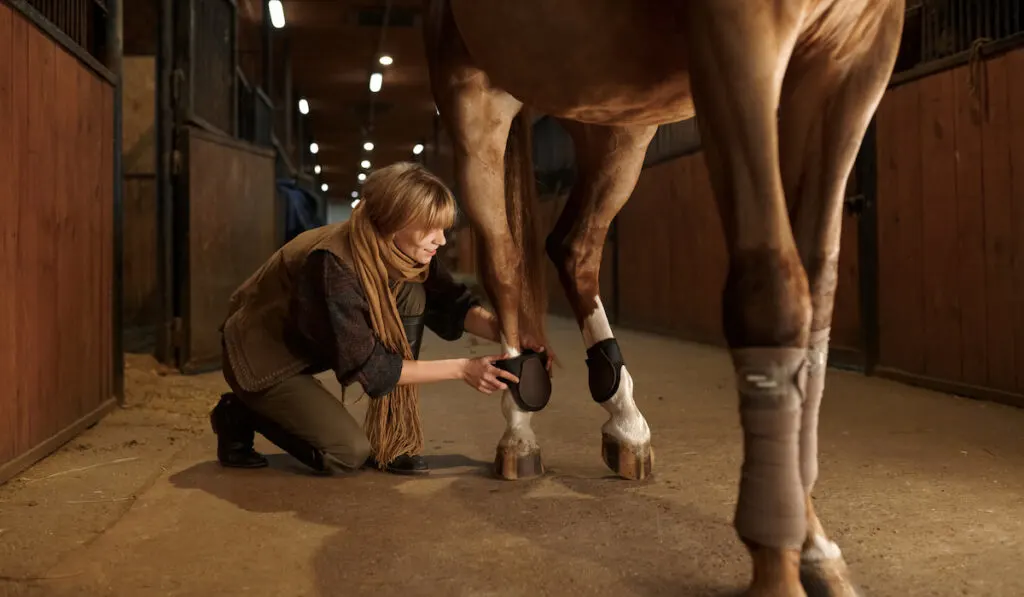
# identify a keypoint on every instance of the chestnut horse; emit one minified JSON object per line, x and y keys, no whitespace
{"x":784,"y":90}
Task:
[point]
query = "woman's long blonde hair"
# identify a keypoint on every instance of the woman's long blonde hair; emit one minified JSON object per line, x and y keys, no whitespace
{"x":399,"y":195}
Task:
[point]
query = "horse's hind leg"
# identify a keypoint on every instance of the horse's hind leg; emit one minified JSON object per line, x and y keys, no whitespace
{"x":737,"y":59}
{"x":824,"y":115}
{"x":608,"y":160}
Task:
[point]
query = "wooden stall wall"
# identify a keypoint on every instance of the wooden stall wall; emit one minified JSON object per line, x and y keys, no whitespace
{"x":672,"y":258}
{"x":230,"y":226}
{"x":951,"y":229}
{"x":56,"y":244}
{"x":673,"y":261}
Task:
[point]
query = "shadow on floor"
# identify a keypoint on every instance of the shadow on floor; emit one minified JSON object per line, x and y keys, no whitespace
{"x":464,"y":532}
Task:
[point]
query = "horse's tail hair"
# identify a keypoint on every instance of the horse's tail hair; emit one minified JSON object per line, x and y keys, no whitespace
{"x":521,"y":208}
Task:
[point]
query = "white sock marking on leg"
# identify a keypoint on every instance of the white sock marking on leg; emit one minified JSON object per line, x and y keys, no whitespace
{"x":596,"y":327}
{"x":518,"y":432}
{"x":821,"y":549}
{"x":626,"y":423}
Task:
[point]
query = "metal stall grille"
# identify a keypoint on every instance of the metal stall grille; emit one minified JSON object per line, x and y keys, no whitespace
{"x":255,"y":113}
{"x":935,"y":30}
{"x":208,"y":59}
{"x":84,"y":21}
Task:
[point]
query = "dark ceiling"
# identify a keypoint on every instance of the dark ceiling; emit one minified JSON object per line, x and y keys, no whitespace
{"x":335,"y":45}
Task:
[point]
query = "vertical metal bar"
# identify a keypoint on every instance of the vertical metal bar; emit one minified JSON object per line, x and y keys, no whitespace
{"x":268,"y":53}
{"x":115,"y":52}
{"x":233,"y":27}
{"x":165,"y":185}
{"x":289,"y":100}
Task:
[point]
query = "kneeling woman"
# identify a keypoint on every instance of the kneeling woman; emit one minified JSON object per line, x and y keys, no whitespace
{"x":353,"y":297}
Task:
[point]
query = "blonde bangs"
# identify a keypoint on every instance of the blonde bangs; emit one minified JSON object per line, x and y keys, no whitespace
{"x":407,"y":194}
{"x":438,"y":211}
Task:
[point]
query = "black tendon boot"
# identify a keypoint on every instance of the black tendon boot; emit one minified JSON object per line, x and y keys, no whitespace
{"x":234,"y":435}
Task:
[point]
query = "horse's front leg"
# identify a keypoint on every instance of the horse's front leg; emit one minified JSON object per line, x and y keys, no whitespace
{"x":609,"y":160}
{"x":478,"y":118}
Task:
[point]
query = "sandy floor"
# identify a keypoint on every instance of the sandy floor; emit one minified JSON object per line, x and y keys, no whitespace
{"x":923,"y":491}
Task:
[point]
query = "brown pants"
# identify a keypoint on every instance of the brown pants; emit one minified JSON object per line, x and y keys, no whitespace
{"x":302,"y":406}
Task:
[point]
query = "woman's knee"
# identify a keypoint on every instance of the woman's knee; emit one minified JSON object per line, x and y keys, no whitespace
{"x":351,"y":453}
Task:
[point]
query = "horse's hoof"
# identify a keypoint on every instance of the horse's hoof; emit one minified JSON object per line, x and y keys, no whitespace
{"x":633,"y":462}
{"x":827,"y":578}
{"x":777,"y":591}
{"x":511,"y":464}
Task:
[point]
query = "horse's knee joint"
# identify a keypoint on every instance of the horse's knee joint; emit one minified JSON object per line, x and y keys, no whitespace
{"x":766,"y":300}
{"x":604,"y":369}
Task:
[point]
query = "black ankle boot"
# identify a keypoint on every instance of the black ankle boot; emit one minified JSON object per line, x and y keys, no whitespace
{"x":234,"y":435}
{"x":406,"y":464}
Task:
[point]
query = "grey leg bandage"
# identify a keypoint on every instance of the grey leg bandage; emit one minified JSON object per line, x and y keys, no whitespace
{"x":771,"y":511}
{"x":817,"y":364}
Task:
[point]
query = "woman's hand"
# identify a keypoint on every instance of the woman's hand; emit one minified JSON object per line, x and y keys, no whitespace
{"x":481,"y":374}
{"x":549,"y":355}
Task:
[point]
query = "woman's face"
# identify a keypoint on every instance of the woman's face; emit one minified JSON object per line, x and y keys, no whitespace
{"x":419,"y":244}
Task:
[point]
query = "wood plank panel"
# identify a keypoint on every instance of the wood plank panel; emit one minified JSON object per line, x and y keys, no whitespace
{"x":24,"y":380}
{"x":939,"y":229}
{"x":996,"y":178}
{"x":901,"y":324}
{"x":673,"y":259}
{"x":970,"y":216}
{"x":1015,"y":87}
{"x":66,"y":372}
{"x":638,"y":262}
{"x":704,"y":324}
{"x":684,"y":263}
{"x":847,"y":328}
{"x":37,"y":179}
{"x":10,"y":158}
{"x":232,"y":220}
{"x":55,"y":215}
{"x":105,"y":333}
{"x":86,"y":135}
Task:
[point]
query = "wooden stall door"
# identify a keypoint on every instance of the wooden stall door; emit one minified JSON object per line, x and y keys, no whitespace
{"x":227,"y":227}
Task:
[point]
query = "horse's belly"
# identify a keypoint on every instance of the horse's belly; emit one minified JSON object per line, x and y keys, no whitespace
{"x":599,"y":61}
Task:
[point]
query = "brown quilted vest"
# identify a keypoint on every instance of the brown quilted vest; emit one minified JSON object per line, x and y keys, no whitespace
{"x":261,"y":344}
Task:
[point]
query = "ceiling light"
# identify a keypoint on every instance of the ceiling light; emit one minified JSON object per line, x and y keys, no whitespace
{"x":368,"y":146}
{"x":417,"y":149}
{"x":385,"y":60}
{"x":355,"y":203}
{"x":314,"y":148}
{"x":376,"y":80}
{"x":316,"y":169}
{"x":365,"y":164}
{"x":323,"y":187}
{"x":276,"y":13}
{"x":303,"y":106}
{"x":362,"y":176}
{"x":355,"y":194}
